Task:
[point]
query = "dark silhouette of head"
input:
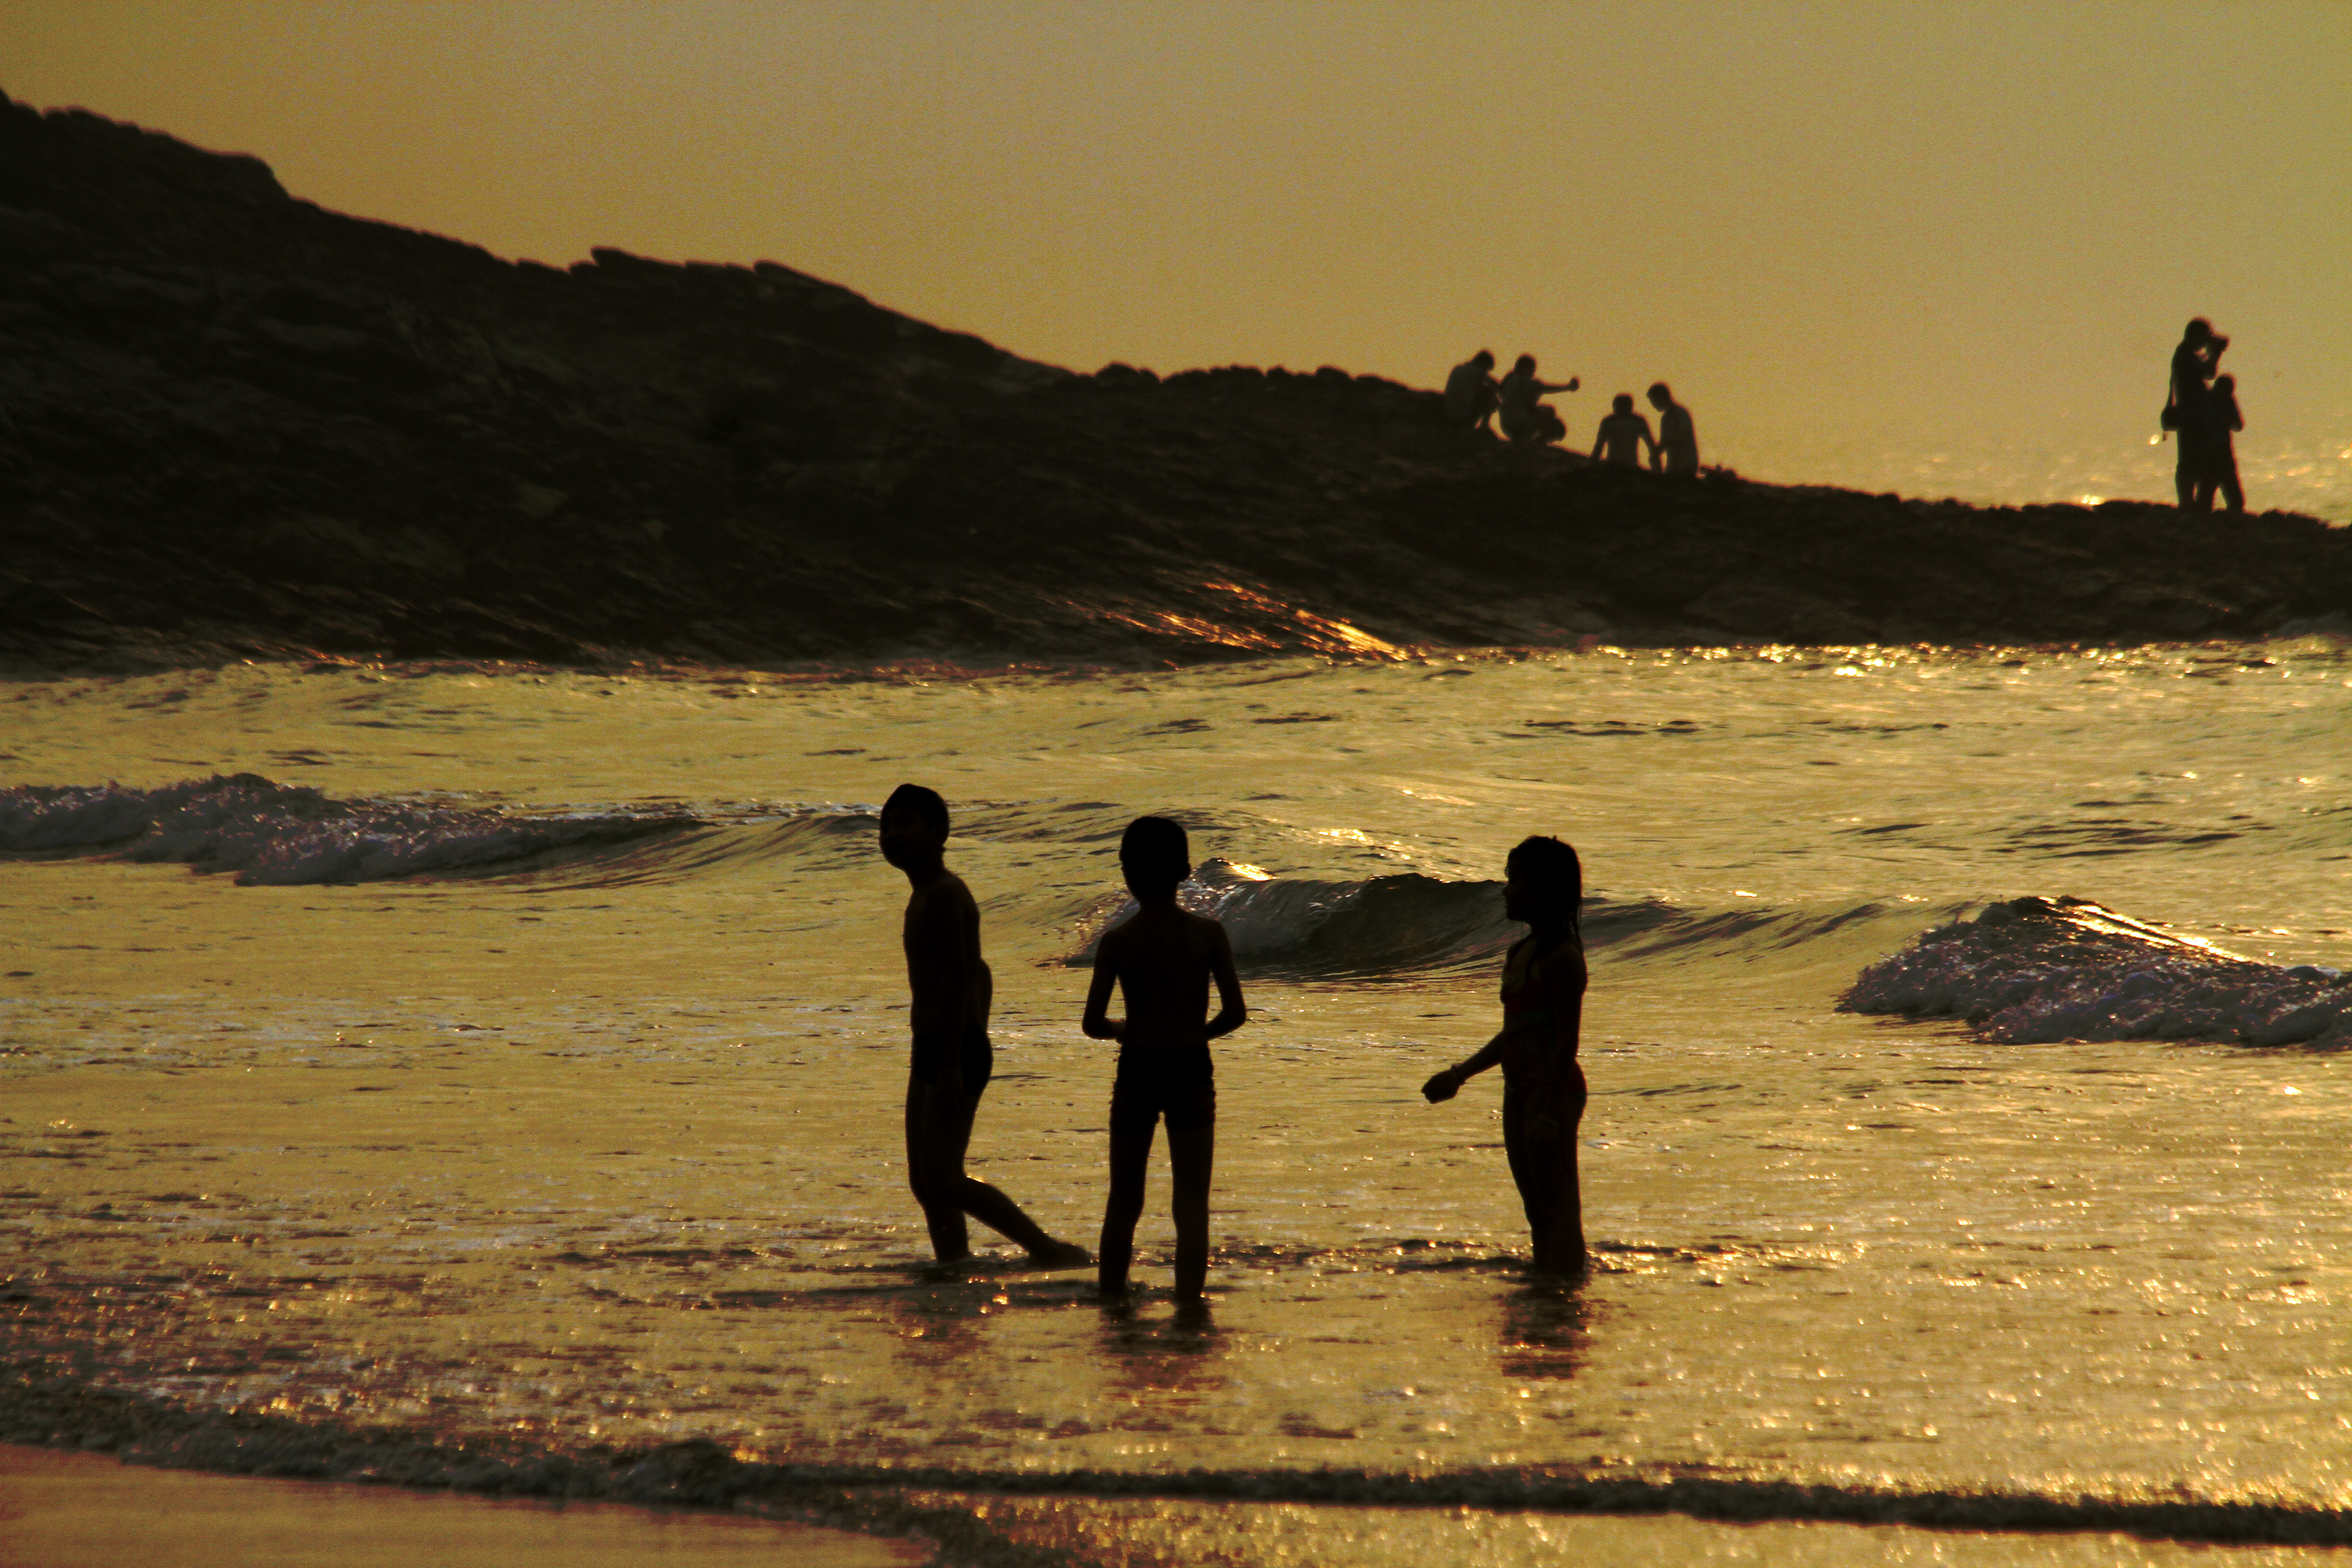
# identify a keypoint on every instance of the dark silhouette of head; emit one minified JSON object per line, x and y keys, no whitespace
{"x":1483,"y":357}
{"x":2225,"y":384}
{"x":1622,"y":403}
{"x":1524,"y":362}
{"x":1546,"y":882}
{"x":1660,"y":396}
{"x":924,"y":802}
{"x":1155,"y":855}
{"x":913,"y":829}
{"x":2197,"y":330}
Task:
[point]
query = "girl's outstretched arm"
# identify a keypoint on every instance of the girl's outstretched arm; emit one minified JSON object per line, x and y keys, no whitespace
{"x":1446,"y":1082}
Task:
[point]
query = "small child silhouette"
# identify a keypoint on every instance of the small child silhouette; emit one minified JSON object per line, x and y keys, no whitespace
{"x":2221,"y":420}
{"x":1162,"y":959}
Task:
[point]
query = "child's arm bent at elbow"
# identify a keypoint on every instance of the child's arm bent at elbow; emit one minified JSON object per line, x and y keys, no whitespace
{"x":1230,"y":1012}
{"x":1097,"y":1022}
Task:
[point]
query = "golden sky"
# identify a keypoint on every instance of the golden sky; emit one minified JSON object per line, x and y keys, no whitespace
{"x":1832,"y":226}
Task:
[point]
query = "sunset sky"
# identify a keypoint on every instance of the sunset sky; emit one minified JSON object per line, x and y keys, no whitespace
{"x":1839,"y":230}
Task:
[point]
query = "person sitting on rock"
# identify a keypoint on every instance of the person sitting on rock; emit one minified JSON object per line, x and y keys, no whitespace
{"x":1528,"y":420}
{"x":1623,"y":434}
{"x":2220,"y":470}
{"x":1676,"y":451}
{"x":1470,"y":393}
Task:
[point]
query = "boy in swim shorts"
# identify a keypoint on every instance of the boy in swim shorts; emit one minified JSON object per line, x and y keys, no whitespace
{"x":1162,"y":959}
{"x":952,"y":989}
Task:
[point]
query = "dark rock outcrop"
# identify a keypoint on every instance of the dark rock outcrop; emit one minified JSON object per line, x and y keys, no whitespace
{"x":232,"y":423}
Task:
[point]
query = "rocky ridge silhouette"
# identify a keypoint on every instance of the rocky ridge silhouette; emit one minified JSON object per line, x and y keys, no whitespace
{"x":235,"y":424}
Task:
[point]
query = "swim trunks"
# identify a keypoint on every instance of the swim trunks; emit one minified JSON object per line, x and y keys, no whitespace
{"x":1177,"y":1082}
{"x":976,"y":1057}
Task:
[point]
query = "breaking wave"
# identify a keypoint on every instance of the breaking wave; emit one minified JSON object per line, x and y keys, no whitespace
{"x":1402,"y":926}
{"x":274,"y":834}
{"x":2037,"y":970}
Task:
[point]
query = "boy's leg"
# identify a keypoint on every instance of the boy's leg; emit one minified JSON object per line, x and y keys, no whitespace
{"x":1131,"y":1154}
{"x":1192,"y":1152}
{"x":938,"y":1131}
{"x":936,"y":1138}
{"x":2234,"y":494}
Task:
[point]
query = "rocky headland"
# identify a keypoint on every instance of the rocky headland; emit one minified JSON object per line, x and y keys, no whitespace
{"x":235,"y":424}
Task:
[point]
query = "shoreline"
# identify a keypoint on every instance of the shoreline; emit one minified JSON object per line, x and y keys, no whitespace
{"x":60,"y":1415}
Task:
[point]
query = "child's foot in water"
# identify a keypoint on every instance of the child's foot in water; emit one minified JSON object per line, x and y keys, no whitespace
{"x":1061,"y":1255}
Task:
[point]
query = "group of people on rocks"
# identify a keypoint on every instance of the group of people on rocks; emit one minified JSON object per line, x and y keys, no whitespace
{"x":1163,"y":961}
{"x":2201,"y":408}
{"x":1474,"y":397}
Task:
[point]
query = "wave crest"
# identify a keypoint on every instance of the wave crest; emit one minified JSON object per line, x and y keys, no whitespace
{"x":274,"y":834}
{"x":1403,"y":926}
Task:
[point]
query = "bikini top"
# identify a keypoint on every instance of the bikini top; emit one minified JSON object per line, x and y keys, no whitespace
{"x":1535,"y":999}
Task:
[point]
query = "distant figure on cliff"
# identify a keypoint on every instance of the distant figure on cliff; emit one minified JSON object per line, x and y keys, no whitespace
{"x":2194,"y":362}
{"x":1526,"y":420}
{"x":2222,"y":421}
{"x":953,"y":1059}
{"x":1676,"y":451}
{"x":1470,"y":391}
{"x":1622,"y":435}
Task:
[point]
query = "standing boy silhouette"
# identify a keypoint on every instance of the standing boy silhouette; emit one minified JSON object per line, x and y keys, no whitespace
{"x":1678,"y":448}
{"x":1162,"y":959}
{"x":2222,"y":421}
{"x":952,"y":989}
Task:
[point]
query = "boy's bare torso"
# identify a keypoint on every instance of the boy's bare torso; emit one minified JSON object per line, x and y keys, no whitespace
{"x":1165,"y":961}
{"x":949,"y":981}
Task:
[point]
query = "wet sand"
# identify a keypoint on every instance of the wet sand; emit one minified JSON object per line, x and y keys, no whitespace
{"x":63,"y":1510}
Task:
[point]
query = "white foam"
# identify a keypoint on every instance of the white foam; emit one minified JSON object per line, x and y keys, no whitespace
{"x":2039,"y":971}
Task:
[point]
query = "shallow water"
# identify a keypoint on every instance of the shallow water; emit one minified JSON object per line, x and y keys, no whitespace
{"x":601,"y":1146}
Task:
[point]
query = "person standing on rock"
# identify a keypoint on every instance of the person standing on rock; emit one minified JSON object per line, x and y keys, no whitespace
{"x":2222,"y":421}
{"x":1676,"y":451}
{"x":2194,"y":362}
{"x":1528,"y":420}
{"x":1470,"y":393}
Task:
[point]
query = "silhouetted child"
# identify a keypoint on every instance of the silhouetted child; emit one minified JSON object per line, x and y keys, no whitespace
{"x":1527,"y":419}
{"x":1623,"y":434}
{"x":1543,"y":1011}
{"x":1676,"y":451}
{"x":952,"y":989}
{"x":1470,"y":391}
{"x":2222,"y":421}
{"x":1162,"y":958}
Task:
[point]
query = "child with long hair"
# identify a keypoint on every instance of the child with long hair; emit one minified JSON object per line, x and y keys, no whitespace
{"x":1543,"y":1009}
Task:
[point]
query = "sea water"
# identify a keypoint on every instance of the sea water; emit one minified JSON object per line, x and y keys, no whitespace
{"x":518,"y":1054}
